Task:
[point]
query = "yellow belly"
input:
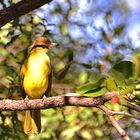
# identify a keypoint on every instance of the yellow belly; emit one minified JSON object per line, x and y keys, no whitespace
{"x":35,"y":87}
{"x":36,"y":78}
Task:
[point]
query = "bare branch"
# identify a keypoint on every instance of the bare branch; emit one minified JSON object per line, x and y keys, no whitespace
{"x":132,"y":106}
{"x":56,"y":101}
{"x":121,"y":131}
{"x":109,"y":95}
{"x":70,"y":99}
{"x":125,"y":114}
{"x":21,"y":8}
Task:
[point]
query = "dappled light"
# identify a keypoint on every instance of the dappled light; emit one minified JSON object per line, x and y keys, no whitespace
{"x":97,"y":52}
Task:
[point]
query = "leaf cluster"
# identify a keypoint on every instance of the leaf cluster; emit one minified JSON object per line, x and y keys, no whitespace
{"x":121,"y":77}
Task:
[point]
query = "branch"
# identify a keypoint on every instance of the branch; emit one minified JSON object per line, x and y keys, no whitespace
{"x":21,"y":8}
{"x":121,"y":131}
{"x":125,"y":114}
{"x":132,"y":106}
{"x":56,"y":101}
{"x":70,"y":99}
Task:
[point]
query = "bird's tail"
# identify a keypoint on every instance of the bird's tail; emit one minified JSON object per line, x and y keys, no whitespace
{"x":32,"y":122}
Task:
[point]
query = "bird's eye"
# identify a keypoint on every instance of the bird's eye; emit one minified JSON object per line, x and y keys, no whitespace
{"x":44,"y":46}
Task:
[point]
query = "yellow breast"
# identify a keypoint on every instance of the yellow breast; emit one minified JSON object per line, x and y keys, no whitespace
{"x":36,"y":77}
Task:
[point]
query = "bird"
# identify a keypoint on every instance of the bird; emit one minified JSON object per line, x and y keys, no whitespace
{"x":36,"y":80}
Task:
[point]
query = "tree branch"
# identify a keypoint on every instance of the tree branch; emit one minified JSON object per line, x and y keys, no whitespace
{"x":125,"y":114}
{"x":70,"y":99}
{"x":132,"y":106}
{"x":56,"y":101}
{"x":21,"y":8}
{"x":121,"y":131}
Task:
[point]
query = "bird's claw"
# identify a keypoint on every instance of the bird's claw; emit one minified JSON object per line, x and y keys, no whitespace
{"x":43,"y":98}
{"x":26,"y":100}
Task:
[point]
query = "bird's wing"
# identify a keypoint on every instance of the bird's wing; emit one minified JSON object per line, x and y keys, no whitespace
{"x":48,"y":91}
{"x":22,"y":74}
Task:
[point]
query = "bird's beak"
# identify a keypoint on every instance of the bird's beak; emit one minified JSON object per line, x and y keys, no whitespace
{"x":53,"y":45}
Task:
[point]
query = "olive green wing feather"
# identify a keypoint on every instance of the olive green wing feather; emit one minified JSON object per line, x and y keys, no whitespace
{"x":48,"y":91}
{"x":22,"y":73}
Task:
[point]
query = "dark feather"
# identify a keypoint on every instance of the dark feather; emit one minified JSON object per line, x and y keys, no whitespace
{"x":48,"y":91}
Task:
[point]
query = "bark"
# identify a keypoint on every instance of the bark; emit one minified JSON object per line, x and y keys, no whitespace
{"x":21,"y":8}
{"x":53,"y":102}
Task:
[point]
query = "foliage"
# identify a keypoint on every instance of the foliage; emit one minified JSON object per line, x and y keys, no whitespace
{"x":91,"y":59}
{"x":121,"y":77}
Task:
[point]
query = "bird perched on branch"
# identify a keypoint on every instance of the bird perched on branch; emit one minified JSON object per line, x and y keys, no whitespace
{"x":35,"y":80}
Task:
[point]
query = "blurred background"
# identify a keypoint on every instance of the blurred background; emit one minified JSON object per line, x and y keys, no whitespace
{"x":92,"y":36}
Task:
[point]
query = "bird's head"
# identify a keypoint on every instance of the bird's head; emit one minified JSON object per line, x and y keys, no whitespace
{"x":43,"y":43}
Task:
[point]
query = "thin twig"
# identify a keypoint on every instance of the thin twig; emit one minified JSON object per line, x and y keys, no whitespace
{"x":125,"y":114}
{"x":132,"y":106}
{"x":121,"y":131}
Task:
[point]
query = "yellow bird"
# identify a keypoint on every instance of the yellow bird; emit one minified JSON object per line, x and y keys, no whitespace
{"x":35,"y":80}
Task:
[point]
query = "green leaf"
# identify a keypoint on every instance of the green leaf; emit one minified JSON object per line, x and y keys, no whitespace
{"x":96,"y":77}
{"x":118,"y":30}
{"x":96,"y":92}
{"x":64,"y":29}
{"x":136,"y":92}
{"x":108,"y":16}
{"x":83,"y":77}
{"x":127,"y":89}
{"x":123,"y":73}
{"x":137,"y":95}
{"x":98,"y":132}
{"x":107,"y":37}
{"x":131,"y":81}
{"x":90,"y":86}
{"x":111,"y":85}
{"x":88,"y":66}
{"x":63,"y":72}
{"x":127,"y":68}
{"x":118,"y":77}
